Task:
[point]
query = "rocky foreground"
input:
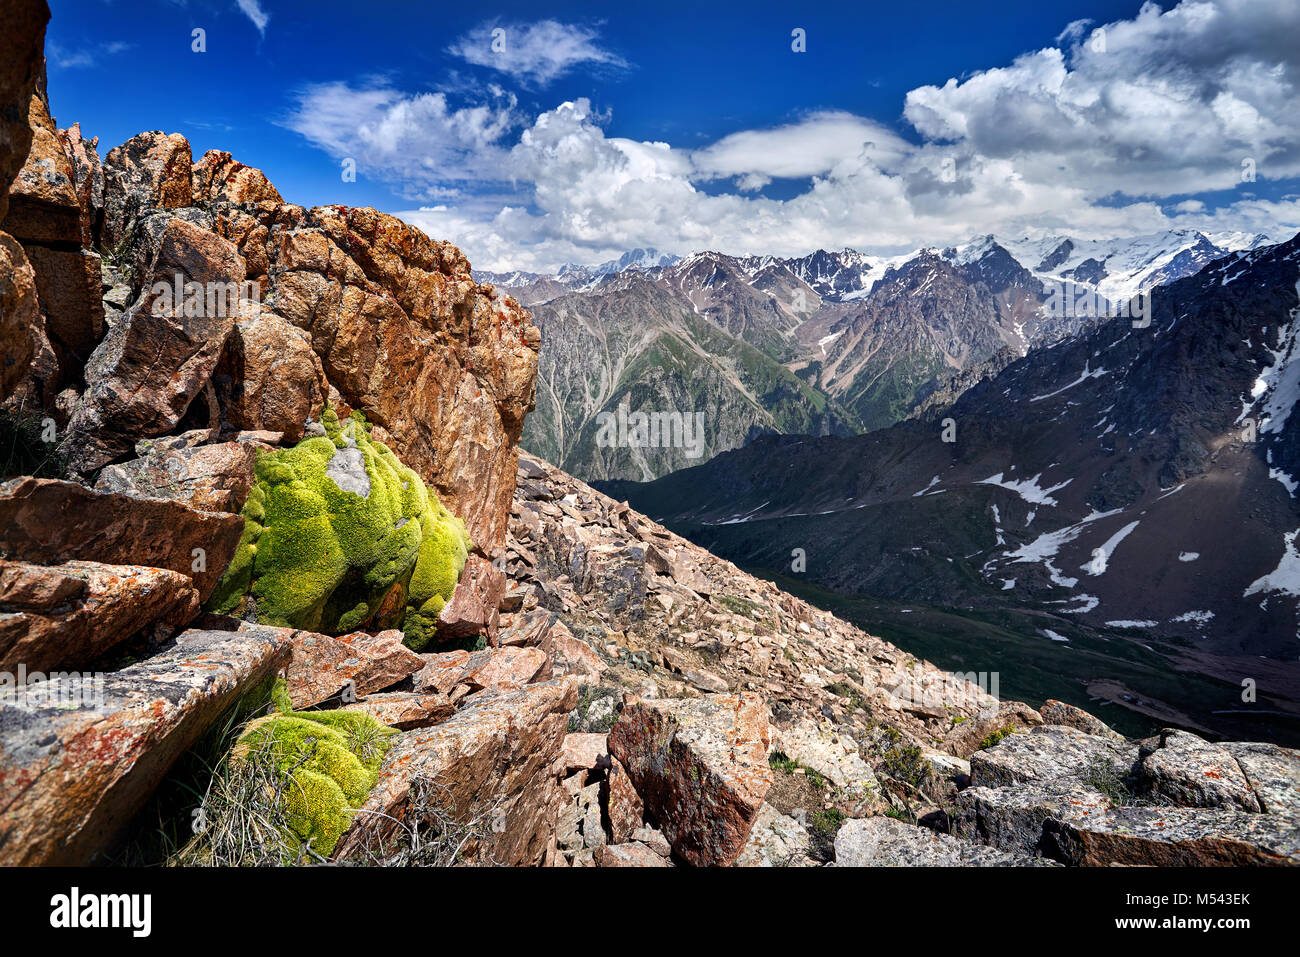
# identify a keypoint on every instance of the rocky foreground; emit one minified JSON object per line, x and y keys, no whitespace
{"x":596,"y":692}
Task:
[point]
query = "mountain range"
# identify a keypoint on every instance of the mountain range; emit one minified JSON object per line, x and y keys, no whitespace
{"x":1124,"y":486}
{"x":830,"y":343}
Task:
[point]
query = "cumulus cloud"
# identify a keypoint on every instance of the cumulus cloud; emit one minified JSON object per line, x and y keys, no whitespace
{"x":1112,"y":132}
{"x":534,"y":53}
{"x":420,"y":143}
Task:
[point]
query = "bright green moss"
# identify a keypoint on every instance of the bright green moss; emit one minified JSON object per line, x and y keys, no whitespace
{"x":327,"y":762}
{"x":338,"y":530}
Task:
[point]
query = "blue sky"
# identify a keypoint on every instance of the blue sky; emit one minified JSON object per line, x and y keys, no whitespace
{"x":591,"y":128}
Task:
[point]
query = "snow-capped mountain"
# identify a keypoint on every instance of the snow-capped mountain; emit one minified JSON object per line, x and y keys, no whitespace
{"x":1117,"y":269}
{"x":1131,"y":494}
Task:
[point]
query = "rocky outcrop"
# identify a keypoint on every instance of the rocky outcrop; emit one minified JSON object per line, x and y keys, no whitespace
{"x":1087,"y":799}
{"x":67,"y":615}
{"x":348,"y":666}
{"x":212,"y":478}
{"x":142,"y":378}
{"x":19,"y":314}
{"x":22,"y":75}
{"x":47,"y":521}
{"x":493,"y":761}
{"x":885,"y":842}
{"x":72,"y":777}
{"x":22,"y":70}
{"x":701,"y":768}
{"x":150,"y":171}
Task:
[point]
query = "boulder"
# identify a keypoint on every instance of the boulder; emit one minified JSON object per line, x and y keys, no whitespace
{"x":211,"y":478}
{"x":141,"y":379}
{"x":149,"y":171}
{"x":585,"y":752}
{"x":886,"y":842}
{"x":1273,"y":773}
{"x":405,"y":709}
{"x":87,"y":180}
{"x":491,"y":668}
{"x":218,"y":178}
{"x":358,"y":664}
{"x":776,"y":840}
{"x":700,"y":766}
{"x":66,"y":616}
{"x":1174,"y":837}
{"x":43,"y":204}
{"x":474,"y":605}
{"x":79,"y":758}
{"x":1191,"y":772}
{"x":47,"y":521}
{"x":495,"y":758}
{"x":572,"y":656}
{"x":628,"y":855}
{"x":1050,"y":753}
{"x":269,"y":378}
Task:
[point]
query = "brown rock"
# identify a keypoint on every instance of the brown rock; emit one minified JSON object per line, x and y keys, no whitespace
{"x":441,"y":671}
{"x":46,"y":521}
{"x":359,"y":663}
{"x":87,"y":180}
{"x":269,"y":379}
{"x":20,"y":318}
{"x":474,"y":605}
{"x":626,"y":812}
{"x":149,"y":171}
{"x":700,"y":766}
{"x":395,"y":293}
{"x":493,"y":759}
{"x":70,"y":778}
{"x":572,"y":656}
{"x":1058,"y":712}
{"x":153,"y":363}
{"x":43,"y":206}
{"x":491,"y":668}
{"x":628,"y":855}
{"x":585,"y":752}
{"x":212,"y":478}
{"x":404,"y":709}
{"x":22,"y":73}
{"x":218,"y":177}
{"x":68,"y":615}
{"x":68,"y":283}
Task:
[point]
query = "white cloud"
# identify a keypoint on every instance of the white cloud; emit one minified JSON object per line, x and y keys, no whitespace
{"x":61,"y":57}
{"x":534,"y":53}
{"x":419,"y":142}
{"x":253,"y":10}
{"x":1063,"y":140}
{"x":810,"y":147}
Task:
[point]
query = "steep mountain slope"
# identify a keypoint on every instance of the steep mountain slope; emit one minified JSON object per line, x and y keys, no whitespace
{"x":635,"y":343}
{"x":1133,"y":482}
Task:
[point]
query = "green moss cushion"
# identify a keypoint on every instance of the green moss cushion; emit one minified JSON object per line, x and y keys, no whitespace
{"x":339,"y":534}
{"x":330,"y":762}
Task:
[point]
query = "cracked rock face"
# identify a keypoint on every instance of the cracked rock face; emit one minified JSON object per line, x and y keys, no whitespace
{"x":700,"y":765}
{"x":73,"y":776}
